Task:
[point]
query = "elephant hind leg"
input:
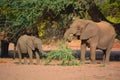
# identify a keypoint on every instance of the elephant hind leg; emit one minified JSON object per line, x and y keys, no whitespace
{"x":107,"y":56}
{"x":108,"y":50}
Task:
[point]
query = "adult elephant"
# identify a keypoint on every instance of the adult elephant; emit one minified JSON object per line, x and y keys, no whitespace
{"x":99,"y":35}
{"x":27,"y":45}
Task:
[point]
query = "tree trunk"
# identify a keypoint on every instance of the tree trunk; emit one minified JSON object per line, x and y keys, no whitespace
{"x":95,"y":13}
{"x":4,"y":48}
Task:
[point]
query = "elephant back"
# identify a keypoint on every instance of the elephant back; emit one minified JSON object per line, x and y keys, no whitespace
{"x":106,"y":28}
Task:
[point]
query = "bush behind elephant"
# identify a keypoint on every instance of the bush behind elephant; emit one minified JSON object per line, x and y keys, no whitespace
{"x":27,"y":45}
{"x":99,"y":35}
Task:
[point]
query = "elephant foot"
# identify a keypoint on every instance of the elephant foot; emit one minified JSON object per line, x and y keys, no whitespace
{"x":106,"y":62}
{"x":93,"y":62}
{"x":20,"y":63}
{"x":37,"y":63}
{"x":25,"y":63}
{"x":13,"y":58}
{"x":31,"y":63}
{"x":82,"y":62}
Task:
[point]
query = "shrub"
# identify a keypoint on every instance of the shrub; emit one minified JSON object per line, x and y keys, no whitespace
{"x":63,"y":54}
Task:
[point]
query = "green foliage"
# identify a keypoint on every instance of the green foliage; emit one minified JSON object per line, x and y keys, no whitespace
{"x":19,"y":12}
{"x":114,"y":19}
{"x":29,"y":13}
{"x":64,"y":54}
{"x":110,"y":9}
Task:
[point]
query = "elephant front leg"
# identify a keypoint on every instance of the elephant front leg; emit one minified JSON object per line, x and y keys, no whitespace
{"x":83,"y":50}
{"x":30,"y":55}
{"x":25,"y":58}
{"x":37,"y":57}
{"x":20,"y":57}
{"x":93,"y":53}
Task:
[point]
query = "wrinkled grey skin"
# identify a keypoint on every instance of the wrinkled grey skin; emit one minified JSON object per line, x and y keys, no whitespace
{"x":29,"y":44}
{"x":94,"y":35}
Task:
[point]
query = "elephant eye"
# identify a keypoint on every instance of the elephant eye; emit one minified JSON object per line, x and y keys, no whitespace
{"x":81,"y":30}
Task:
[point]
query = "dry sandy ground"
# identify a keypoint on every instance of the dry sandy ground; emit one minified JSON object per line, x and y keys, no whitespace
{"x":11,"y":70}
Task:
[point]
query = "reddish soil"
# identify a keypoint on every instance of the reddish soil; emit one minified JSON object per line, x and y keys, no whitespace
{"x":11,"y":70}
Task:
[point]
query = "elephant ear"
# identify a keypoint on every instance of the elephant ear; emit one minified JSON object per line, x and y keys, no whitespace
{"x":90,"y":30}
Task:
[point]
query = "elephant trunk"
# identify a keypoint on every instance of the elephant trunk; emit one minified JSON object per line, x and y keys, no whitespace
{"x":67,"y":36}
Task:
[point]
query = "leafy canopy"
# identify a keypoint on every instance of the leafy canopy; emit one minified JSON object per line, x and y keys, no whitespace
{"x":30,"y":13}
{"x":110,"y":9}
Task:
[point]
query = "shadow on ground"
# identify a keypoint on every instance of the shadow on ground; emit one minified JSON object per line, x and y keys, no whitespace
{"x":114,"y":56}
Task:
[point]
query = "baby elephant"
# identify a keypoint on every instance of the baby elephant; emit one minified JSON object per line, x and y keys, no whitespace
{"x":27,"y":45}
